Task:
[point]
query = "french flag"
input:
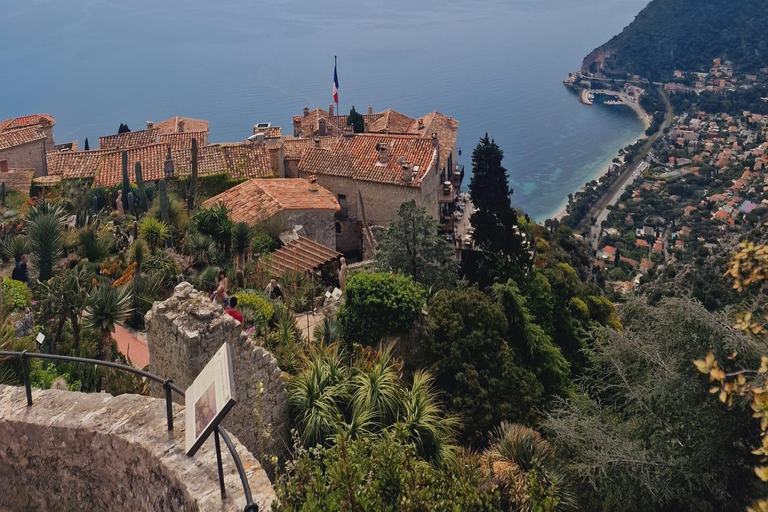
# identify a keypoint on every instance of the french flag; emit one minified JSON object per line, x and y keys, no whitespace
{"x":335,"y":83}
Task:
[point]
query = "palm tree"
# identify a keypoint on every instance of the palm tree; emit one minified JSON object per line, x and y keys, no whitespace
{"x":45,"y":236}
{"x":523,"y":466}
{"x":241,"y":241}
{"x":106,"y":307}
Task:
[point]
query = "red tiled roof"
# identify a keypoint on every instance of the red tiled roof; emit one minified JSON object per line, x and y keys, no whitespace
{"x":73,"y":164}
{"x":13,"y":138}
{"x":47,"y":181}
{"x":301,"y":255}
{"x":18,"y":179}
{"x":446,"y":128}
{"x":183,"y":140}
{"x":258,"y":199}
{"x":246,"y":160}
{"x":110,"y":170}
{"x":172,"y":125}
{"x":44,"y":120}
{"x":128,"y":139}
{"x":210,"y":161}
{"x":391,"y":121}
{"x":294,"y":147}
{"x":271,"y":132}
{"x":357,"y":157}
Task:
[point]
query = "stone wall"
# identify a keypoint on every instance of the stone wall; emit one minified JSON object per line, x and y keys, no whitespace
{"x":27,"y":156}
{"x":317,"y":225}
{"x":77,"y":451}
{"x":183,"y":333}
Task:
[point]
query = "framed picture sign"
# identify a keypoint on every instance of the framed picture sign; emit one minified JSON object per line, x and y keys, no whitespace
{"x":209,"y":398}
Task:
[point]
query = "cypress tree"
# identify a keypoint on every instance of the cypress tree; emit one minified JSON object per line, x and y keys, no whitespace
{"x":86,"y":147}
{"x":356,"y":121}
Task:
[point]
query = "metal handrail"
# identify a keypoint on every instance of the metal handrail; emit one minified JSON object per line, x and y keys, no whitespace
{"x":168,"y":385}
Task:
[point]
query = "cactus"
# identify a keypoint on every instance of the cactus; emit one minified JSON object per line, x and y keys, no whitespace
{"x":2,"y":193}
{"x":126,"y":182}
{"x":143,"y":206}
{"x":162,"y":193}
{"x":193,"y":178}
{"x":240,"y":279}
{"x":95,"y":205}
{"x":131,"y":202}
{"x":135,"y":230}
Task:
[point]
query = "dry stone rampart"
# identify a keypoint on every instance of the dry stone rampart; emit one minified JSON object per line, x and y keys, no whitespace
{"x":78,"y":451}
{"x":183,"y":333}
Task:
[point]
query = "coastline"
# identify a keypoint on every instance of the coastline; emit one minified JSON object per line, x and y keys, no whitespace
{"x":603,"y":170}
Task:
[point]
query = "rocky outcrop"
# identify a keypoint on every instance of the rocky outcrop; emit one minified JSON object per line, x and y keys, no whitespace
{"x":78,"y":451}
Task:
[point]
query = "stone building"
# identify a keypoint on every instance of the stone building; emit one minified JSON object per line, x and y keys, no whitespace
{"x":24,"y":141}
{"x":371,"y":175}
{"x":297,"y":204}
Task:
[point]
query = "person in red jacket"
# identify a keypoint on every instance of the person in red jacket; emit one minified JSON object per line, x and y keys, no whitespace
{"x":234,"y":313}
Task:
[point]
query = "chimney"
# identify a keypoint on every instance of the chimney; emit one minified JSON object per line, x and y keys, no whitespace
{"x":296,"y":128}
{"x":3,"y":165}
{"x":421,"y":124}
{"x":260,"y":138}
{"x":330,"y":109}
{"x":381,"y":147}
{"x":434,"y":139}
{"x":348,"y":131}
{"x":306,"y":111}
{"x":313,"y":183}
{"x":150,"y":125}
{"x":370,"y":110}
{"x":407,"y":172}
{"x":180,"y":126}
{"x":321,"y":126}
{"x":168,"y":165}
{"x":317,"y":142}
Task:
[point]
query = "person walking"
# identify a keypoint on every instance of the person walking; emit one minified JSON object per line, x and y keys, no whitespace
{"x":20,"y":271}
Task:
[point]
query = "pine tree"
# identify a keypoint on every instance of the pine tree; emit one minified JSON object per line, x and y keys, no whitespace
{"x":86,"y":147}
{"x":123,"y":129}
{"x":356,"y":121}
{"x":495,"y":222}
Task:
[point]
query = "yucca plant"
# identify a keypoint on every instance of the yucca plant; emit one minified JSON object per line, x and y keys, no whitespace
{"x":92,"y":245}
{"x":241,"y":242}
{"x":106,"y":307}
{"x":154,"y":232}
{"x":327,"y":332}
{"x":138,"y":253}
{"x":145,"y":290}
{"x":378,"y":389}
{"x":45,"y":236}
{"x":45,"y":207}
{"x":200,"y":248}
{"x":14,"y":247}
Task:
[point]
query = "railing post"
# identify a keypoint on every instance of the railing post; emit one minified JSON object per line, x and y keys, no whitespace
{"x":218,"y":461}
{"x":25,"y":371}
{"x":251,"y":507}
{"x":168,"y":402}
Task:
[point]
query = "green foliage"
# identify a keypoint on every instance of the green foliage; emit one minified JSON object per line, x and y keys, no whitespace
{"x":379,"y":305}
{"x":327,"y":332}
{"x":145,"y":290}
{"x":62,"y":298}
{"x":14,"y":247}
{"x":484,"y":379}
{"x":164,"y":264}
{"x":44,"y":228}
{"x":255,"y":308}
{"x":206,"y":280}
{"x":412,"y":246}
{"x":177,"y":213}
{"x":380,"y":474}
{"x":241,"y":241}
{"x":16,"y":295}
{"x":192,"y":178}
{"x":92,"y":244}
{"x":215,"y":223}
{"x":154,"y":232}
{"x":200,"y":248}
{"x":687,"y":34}
{"x":139,"y":253}
{"x":356,"y":121}
{"x":263,"y":243}
{"x":143,"y":204}
{"x":107,"y":306}
{"x":642,"y":432}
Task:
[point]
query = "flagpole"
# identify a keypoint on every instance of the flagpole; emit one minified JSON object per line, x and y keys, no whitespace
{"x":335,"y":74}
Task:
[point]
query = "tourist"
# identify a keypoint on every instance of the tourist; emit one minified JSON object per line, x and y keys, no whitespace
{"x":273,"y":290}
{"x":20,"y":271}
{"x":234,"y":313}
{"x":221,"y":289}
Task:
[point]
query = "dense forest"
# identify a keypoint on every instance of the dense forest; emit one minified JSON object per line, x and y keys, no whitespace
{"x":686,"y":34}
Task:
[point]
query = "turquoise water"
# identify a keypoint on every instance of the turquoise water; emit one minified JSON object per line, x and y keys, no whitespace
{"x":495,"y":65}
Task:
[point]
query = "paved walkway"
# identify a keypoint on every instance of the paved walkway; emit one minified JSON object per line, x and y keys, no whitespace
{"x":131,"y":346}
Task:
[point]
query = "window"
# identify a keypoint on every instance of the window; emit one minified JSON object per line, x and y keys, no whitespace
{"x":338,"y":228}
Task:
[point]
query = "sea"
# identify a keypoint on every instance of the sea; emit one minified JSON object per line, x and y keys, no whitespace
{"x":495,"y":65}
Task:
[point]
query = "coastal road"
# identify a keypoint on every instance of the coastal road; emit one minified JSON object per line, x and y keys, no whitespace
{"x":610,"y":197}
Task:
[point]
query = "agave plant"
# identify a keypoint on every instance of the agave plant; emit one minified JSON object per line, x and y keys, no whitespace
{"x":92,"y":245}
{"x":14,"y":247}
{"x":45,"y":207}
{"x":45,"y":235}
{"x":106,"y":307}
{"x":327,"y":332}
{"x":154,"y":232}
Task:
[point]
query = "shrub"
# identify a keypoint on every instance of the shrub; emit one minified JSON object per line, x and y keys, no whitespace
{"x":92,"y":245}
{"x":255,"y":307}
{"x":263,"y":243}
{"x":16,"y":295}
{"x":166,"y":266}
{"x":378,"y":305}
{"x":154,"y":232}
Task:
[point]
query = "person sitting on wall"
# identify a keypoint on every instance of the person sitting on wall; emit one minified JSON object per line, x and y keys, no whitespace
{"x":234,"y":313}
{"x":273,"y":290}
{"x":20,"y":271}
{"x":221,"y":289}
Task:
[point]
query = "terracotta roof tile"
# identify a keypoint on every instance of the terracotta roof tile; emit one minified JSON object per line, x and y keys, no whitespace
{"x":294,"y":147}
{"x":271,"y":132}
{"x":47,"y":181}
{"x":18,"y":179}
{"x":357,"y":157}
{"x":44,"y":120}
{"x":391,"y":121}
{"x":172,"y":125}
{"x":183,"y":140}
{"x":152,"y":158}
{"x":73,"y":164}
{"x":446,"y":128}
{"x":210,"y":161}
{"x":246,"y":160}
{"x":301,"y":255}
{"x":128,"y":139}
{"x":258,"y":199}
{"x":13,"y":138}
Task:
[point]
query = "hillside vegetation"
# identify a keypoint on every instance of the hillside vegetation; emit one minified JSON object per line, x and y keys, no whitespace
{"x":686,"y":35}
